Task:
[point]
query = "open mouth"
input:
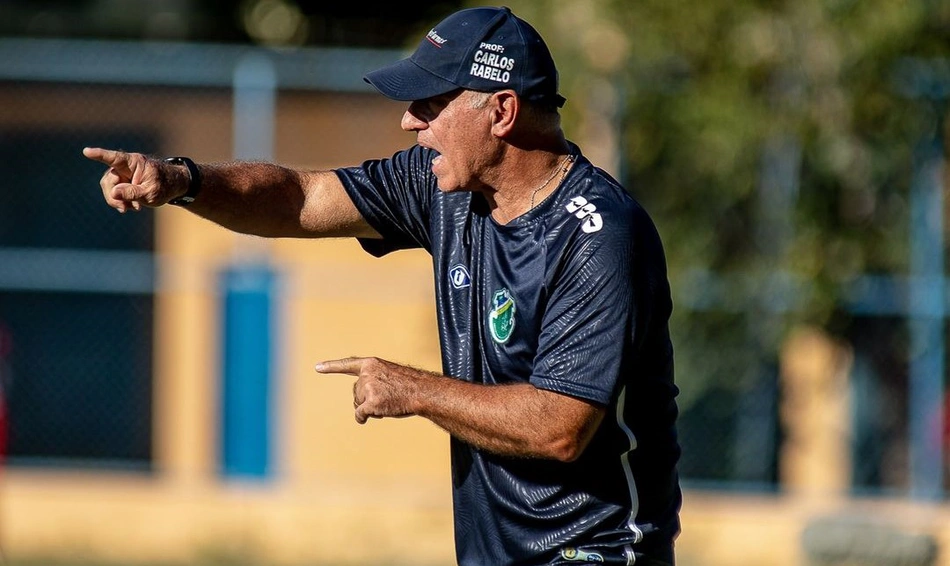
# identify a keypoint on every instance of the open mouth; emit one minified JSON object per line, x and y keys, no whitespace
{"x":437,"y":159}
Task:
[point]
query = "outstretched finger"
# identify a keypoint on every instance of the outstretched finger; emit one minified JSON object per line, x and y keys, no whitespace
{"x":108,"y":156}
{"x":119,"y":161}
{"x":348,"y":366}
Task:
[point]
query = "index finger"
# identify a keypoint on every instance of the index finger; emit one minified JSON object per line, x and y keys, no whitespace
{"x":349,"y":366}
{"x":108,"y":156}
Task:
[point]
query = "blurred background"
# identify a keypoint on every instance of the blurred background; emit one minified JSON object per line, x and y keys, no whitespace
{"x":157,"y":398}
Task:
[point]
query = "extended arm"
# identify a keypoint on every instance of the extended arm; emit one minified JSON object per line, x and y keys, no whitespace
{"x":513,"y":420}
{"x":253,"y":198}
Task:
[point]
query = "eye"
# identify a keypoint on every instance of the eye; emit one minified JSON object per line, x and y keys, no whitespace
{"x":433,"y":107}
{"x":427,"y":109}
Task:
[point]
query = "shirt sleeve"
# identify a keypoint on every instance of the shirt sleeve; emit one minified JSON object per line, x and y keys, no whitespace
{"x":585,"y":337}
{"x":394,"y":196}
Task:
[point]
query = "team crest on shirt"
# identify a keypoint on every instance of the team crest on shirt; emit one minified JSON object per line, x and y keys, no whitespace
{"x":572,"y":554}
{"x":501,"y":317}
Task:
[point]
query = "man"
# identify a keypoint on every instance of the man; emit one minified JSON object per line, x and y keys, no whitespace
{"x":552,"y":296}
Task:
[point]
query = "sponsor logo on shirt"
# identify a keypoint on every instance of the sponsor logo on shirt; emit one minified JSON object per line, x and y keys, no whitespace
{"x":591,"y":220}
{"x":501,"y":317}
{"x":459,"y":277}
{"x":571,"y":554}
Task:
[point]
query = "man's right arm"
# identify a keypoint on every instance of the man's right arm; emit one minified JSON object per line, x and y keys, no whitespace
{"x":249,"y":197}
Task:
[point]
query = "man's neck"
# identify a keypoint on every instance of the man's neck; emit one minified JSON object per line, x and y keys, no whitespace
{"x":525,"y":180}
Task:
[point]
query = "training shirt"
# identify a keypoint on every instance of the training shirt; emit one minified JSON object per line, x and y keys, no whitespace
{"x":571,"y":297}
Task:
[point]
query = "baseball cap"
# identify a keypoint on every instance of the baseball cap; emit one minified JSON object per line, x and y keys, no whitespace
{"x":484,"y":49}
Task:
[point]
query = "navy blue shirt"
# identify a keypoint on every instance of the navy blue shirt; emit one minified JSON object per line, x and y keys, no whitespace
{"x":571,"y":297}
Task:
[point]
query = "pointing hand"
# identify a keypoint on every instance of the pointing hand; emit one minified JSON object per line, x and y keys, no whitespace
{"x":134,"y":180}
{"x":382,"y":388}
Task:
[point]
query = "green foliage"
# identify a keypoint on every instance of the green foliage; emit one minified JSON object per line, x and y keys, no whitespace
{"x":705,"y":86}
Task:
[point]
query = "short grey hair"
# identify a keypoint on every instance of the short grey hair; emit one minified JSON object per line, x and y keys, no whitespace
{"x":541,"y":115}
{"x":479,"y":99}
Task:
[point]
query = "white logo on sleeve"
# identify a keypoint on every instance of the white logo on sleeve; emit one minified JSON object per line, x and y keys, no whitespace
{"x":587,"y":213}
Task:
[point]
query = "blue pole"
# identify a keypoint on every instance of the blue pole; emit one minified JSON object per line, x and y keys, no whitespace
{"x":928,"y":81}
{"x":927,"y":336}
{"x":247,"y":383}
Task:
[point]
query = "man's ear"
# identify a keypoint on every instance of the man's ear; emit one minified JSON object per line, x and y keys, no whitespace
{"x":505,"y":106}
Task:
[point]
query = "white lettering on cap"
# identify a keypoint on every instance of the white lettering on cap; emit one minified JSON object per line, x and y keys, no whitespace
{"x":435,"y":39}
{"x":492,"y":67}
{"x":492,"y":47}
{"x":490,"y":73}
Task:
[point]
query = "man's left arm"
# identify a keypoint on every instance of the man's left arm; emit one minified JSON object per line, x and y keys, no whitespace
{"x":518,"y":420}
{"x":582,"y":350}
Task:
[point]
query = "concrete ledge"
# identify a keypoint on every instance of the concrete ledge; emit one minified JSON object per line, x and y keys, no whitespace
{"x":133,"y":520}
{"x":351,"y":520}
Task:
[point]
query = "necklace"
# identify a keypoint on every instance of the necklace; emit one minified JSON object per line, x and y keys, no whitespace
{"x":561,"y":169}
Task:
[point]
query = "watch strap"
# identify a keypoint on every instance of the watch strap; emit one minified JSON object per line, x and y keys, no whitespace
{"x":194,"y":183}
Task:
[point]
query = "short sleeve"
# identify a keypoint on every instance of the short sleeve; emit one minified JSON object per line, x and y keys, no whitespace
{"x":394,"y":196}
{"x":585,"y":329}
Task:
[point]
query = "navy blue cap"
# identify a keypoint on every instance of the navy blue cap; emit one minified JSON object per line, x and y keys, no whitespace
{"x":484,"y":49}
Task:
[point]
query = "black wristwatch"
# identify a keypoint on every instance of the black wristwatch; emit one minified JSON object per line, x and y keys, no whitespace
{"x":194,"y":185}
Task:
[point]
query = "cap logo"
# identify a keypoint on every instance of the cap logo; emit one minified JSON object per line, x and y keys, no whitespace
{"x":489,"y":64}
{"x":435,"y":39}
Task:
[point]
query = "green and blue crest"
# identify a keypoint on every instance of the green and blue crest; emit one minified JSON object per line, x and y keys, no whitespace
{"x":577,"y":555}
{"x":501,"y":317}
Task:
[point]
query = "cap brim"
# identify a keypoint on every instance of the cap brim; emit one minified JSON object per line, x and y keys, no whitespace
{"x":404,"y":80}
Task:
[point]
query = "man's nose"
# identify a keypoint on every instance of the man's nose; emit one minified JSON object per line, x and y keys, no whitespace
{"x":412,"y":123}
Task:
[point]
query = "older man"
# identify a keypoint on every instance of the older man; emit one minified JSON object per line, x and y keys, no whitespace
{"x":552,"y":295}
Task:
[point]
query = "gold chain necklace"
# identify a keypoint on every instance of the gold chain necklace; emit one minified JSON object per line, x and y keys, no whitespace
{"x":563,"y":168}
